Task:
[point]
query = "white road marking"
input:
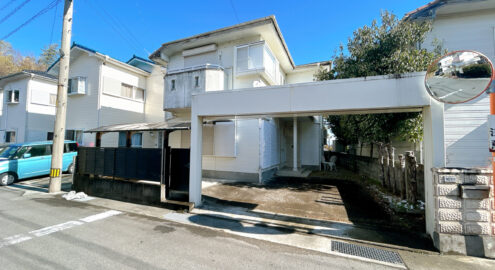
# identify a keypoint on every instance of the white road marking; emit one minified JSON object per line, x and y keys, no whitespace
{"x":100,"y":216}
{"x":12,"y":240}
{"x":55,"y":228}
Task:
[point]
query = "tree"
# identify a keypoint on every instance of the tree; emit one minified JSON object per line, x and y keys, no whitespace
{"x":49,"y":54}
{"x":12,"y":61}
{"x":389,"y":48}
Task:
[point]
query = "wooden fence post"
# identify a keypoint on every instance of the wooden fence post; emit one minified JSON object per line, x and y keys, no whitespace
{"x":402,"y":176}
{"x":411,"y":172}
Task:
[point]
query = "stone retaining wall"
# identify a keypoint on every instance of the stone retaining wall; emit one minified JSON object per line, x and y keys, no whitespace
{"x":464,"y":211}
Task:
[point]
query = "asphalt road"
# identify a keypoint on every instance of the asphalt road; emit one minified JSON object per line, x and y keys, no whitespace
{"x":38,"y":231}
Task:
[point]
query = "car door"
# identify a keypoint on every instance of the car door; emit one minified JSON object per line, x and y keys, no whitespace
{"x":36,"y":161}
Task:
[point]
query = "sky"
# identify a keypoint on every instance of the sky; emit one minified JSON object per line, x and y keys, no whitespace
{"x":313,"y":29}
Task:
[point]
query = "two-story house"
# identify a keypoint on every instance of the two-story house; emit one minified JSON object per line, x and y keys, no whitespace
{"x":463,"y":25}
{"x":246,"y":55}
{"x":103,"y":91}
{"x":27,"y":107}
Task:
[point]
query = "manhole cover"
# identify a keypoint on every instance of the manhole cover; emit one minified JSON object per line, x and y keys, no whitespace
{"x":367,"y":252}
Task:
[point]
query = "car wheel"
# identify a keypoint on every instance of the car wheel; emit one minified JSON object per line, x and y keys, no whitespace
{"x":71,"y":169}
{"x":6,"y":179}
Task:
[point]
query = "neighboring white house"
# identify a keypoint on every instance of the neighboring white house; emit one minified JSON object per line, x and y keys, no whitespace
{"x":250,"y":54}
{"x":104,"y":91}
{"x":463,"y":25}
{"x":27,"y":107}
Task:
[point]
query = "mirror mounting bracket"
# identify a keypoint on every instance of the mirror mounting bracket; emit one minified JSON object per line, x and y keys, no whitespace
{"x":491,"y":88}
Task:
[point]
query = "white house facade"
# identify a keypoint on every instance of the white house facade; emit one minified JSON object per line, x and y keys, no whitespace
{"x":463,"y":25}
{"x":247,"y":55}
{"x":27,"y":107}
{"x":104,"y":91}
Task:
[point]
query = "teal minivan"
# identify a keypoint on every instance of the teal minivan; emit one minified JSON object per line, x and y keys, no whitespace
{"x":25,"y":160}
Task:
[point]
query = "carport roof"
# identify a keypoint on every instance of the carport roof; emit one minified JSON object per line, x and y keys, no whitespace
{"x":143,"y":127}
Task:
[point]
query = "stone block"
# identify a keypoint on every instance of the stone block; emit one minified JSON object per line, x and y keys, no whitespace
{"x":450,"y":243}
{"x":477,"y":216}
{"x":450,"y":202}
{"x":483,"y":204}
{"x":447,"y":190}
{"x":450,"y":227}
{"x":477,"y":228}
{"x":450,"y":179}
{"x":489,"y":245}
{"x":449,"y":215}
{"x":483,"y":179}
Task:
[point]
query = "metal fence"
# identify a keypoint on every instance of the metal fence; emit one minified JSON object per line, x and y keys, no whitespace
{"x":127,"y":163}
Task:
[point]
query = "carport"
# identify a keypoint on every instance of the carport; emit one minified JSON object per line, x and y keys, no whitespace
{"x":380,"y":94}
{"x":142,"y":175}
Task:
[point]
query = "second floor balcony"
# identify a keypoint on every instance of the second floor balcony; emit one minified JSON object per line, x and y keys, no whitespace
{"x":181,"y":83}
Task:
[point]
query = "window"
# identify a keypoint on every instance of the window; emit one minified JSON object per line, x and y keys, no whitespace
{"x":49,"y":136}
{"x":53,"y":99}
{"x":131,"y":92}
{"x":126,"y":90}
{"x":137,"y":140}
{"x":139,"y":94}
{"x":122,"y":139}
{"x":40,"y":150}
{"x":196,"y":81}
{"x":69,"y":134}
{"x":172,"y":85}
{"x":250,"y":57}
{"x":10,"y":137}
{"x":13,"y":96}
{"x":70,"y":147}
{"x":77,"y":85}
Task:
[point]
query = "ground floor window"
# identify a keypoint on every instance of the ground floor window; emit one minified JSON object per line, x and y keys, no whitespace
{"x":10,"y":137}
{"x":49,"y":136}
{"x":136,"y":139}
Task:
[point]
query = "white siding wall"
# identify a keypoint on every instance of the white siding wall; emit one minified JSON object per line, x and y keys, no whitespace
{"x":14,"y":115}
{"x":41,"y":115}
{"x":306,"y":75}
{"x":309,"y":139}
{"x":82,"y":110}
{"x":465,"y":124}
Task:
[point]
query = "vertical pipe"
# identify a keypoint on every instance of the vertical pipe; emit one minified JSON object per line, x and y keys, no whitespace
{"x":295,"y":147}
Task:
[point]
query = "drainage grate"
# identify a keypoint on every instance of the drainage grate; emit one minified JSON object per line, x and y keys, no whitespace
{"x":367,"y":252}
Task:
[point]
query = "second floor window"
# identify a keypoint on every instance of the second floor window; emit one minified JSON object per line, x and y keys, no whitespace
{"x":126,"y":90}
{"x":77,"y":85}
{"x":132,"y":92}
{"x":250,"y":57}
{"x":196,"y":81}
{"x":172,"y":85}
{"x":13,"y":96}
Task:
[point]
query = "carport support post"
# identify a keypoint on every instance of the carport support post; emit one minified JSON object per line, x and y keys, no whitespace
{"x":196,"y":167}
{"x":434,"y":152}
{"x":294,"y":137}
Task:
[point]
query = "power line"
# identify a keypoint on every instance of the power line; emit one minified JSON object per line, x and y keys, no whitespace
{"x":53,"y":23}
{"x":14,"y":11}
{"x":235,"y":12}
{"x":7,"y":5}
{"x":112,"y":26}
{"x":126,"y":29}
{"x":41,"y":12}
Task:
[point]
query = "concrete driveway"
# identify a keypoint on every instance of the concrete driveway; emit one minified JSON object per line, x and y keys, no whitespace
{"x":332,"y":207}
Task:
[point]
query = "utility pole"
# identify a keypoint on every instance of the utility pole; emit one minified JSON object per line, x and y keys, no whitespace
{"x":63,"y":79}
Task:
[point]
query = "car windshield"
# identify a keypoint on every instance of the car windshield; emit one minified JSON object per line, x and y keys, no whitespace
{"x":9,"y":152}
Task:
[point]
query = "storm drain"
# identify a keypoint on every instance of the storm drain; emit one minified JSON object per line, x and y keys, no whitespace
{"x":367,"y":252}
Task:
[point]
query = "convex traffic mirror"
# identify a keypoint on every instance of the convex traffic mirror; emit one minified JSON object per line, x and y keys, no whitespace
{"x":459,"y":77}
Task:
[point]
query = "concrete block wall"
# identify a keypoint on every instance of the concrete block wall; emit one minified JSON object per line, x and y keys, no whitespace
{"x":464,"y":211}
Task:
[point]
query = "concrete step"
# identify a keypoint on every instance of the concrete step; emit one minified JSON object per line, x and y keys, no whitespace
{"x":288,"y":172}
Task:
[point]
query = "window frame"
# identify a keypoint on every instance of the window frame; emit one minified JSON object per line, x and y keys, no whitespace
{"x":8,"y":134}
{"x":11,"y":96}
{"x":172,"y":85}
{"x":77,"y":80}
